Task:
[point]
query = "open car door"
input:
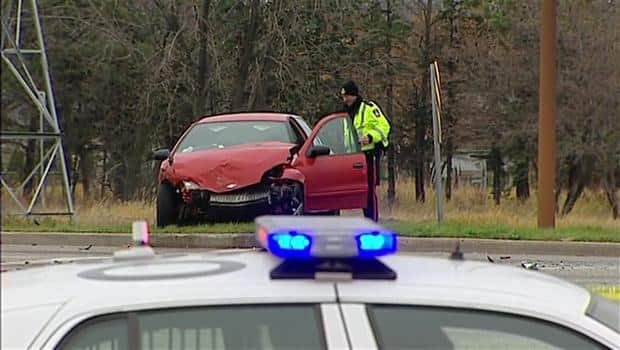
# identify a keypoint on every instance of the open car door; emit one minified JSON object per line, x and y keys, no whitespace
{"x":334,"y":167}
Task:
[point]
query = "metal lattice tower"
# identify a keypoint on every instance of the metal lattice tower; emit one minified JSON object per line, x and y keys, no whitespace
{"x":29,"y":67}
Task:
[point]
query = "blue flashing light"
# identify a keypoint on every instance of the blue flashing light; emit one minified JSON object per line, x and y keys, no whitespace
{"x":371,"y":242}
{"x":290,"y":244}
{"x":292,"y":241}
{"x":295,"y":245}
{"x":376,"y":243}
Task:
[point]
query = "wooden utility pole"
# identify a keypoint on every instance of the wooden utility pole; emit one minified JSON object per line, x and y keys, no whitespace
{"x":436,"y":140}
{"x":546,"y":115}
{"x":391,"y":156}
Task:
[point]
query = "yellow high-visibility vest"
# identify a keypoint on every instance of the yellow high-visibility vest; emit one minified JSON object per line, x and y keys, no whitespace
{"x":370,"y":120}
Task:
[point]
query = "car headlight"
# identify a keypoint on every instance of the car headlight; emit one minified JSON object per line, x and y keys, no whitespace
{"x":189,"y":185}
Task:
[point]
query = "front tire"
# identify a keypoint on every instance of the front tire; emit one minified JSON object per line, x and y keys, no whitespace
{"x":167,"y":208}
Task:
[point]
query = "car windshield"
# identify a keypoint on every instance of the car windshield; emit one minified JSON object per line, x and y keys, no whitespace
{"x":226,"y":134}
{"x":605,"y":311}
{"x":401,"y":326}
{"x":214,"y":327}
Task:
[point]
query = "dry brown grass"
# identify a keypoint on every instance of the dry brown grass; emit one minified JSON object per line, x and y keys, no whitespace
{"x":469,"y":206}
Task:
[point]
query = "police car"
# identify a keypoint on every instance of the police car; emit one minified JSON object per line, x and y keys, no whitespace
{"x":318,"y":283}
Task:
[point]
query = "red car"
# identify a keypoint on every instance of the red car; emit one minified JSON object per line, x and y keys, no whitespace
{"x":245,"y":164}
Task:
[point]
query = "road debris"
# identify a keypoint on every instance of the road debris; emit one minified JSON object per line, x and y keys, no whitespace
{"x":529,"y":265}
{"x":86,"y":248}
{"x":457,"y":254}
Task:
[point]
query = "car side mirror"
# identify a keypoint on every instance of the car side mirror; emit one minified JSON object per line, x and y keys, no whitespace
{"x":161,"y":154}
{"x":318,"y":150}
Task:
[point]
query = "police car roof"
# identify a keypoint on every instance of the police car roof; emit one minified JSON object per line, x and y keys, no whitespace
{"x":243,"y":277}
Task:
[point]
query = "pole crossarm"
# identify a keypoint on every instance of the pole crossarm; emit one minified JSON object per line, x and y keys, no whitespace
{"x":13,"y":135}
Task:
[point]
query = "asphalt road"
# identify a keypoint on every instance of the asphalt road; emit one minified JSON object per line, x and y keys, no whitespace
{"x":584,"y":270}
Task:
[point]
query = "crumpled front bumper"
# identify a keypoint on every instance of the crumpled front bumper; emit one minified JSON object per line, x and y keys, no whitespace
{"x":255,"y":195}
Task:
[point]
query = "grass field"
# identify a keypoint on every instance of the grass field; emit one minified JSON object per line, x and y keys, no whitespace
{"x":471,"y":213}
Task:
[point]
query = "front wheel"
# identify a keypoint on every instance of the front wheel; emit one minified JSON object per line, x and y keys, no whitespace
{"x":167,"y":208}
{"x":287,"y":198}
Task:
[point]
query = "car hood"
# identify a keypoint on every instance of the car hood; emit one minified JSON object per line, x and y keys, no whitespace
{"x":232,"y":168}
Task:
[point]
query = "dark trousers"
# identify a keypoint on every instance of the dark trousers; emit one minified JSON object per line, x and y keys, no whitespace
{"x":372,"y":161}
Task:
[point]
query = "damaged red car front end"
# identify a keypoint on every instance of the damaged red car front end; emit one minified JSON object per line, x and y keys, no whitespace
{"x":224,"y":167}
{"x":237,"y":166}
{"x":238,"y":177}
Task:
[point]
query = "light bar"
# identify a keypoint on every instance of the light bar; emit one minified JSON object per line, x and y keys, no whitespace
{"x":324,"y":237}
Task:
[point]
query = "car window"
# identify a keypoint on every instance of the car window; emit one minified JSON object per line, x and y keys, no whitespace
{"x":216,"y":327}
{"x":105,"y":333}
{"x":339,"y":135}
{"x":605,"y":311}
{"x":308,"y":130}
{"x":226,"y":134}
{"x":420,"y":327}
{"x":304,"y":126}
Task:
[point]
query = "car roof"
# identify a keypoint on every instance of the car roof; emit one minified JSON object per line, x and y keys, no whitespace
{"x":54,"y":295}
{"x":38,"y":300}
{"x":446,"y":282}
{"x":209,"y":275}
{"x":247,"y":116}
{"x":140,"y":281}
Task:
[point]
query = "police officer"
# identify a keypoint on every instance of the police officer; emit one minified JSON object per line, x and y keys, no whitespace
{"x":373,"y":129}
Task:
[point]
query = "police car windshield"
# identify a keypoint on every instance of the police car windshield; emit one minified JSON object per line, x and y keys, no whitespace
{"x":605,"y":311}
{"x":213,"y":327}
{"x":226,"y":134}
{"x":399,"y":326}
